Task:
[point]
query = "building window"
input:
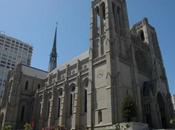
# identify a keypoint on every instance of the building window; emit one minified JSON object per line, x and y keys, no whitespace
{"x":119,"y":16}
{"x":98,"y":20}
{"x":85,"y":100}
{"x":85,"y":94}
{"x":59,"y":106}
{"x":103,"y":15}
{"x":22,"y":113}
{"x":60,"y":92}
{"x":72,"y":97}
{"x":102,"y":46}
{"x":99,"y":116}
{"x":39,"y":86}
{"x":26,"y":85}
{"x":71,"y":103}
{"x":41,"y":108}
{"x":114,"y":15}
{"x":48,"y":109}
{"x":103,"y":10}
{"x":142,"y":36}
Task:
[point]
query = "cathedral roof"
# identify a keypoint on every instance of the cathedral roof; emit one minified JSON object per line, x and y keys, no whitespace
{"x":33,"y":72}
{"x":73,"y":61}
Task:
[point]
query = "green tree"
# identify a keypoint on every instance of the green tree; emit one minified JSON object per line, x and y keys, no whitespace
{"x":7,"y":127}
{"x":172,"y":121}
{"x":27,"y":126}
{"x":129,"y":108}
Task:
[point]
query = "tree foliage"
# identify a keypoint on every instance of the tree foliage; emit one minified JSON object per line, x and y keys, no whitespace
{"x":172,"y":121}
{"x":27,"y":126}
{"x":129,"y":108}
{"x":7,"y":127}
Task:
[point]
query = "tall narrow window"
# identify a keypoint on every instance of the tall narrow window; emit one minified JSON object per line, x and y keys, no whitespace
{"x":48,"y":109}
{"x":41,"y":109}
{"x":102,"y":46}
{"x":26,"y":85}
{"x":71,"y":104}
{"x":85,"y":84}
{"x":72,"y":97}
{"x":99,"y":116}
{"x":142,"y":36}
{"x":85,"y":100}
{"x":39,"y":86}
{"x":60,"y":92}
{"x":98,"y":20}
{"x":103,"y":17}
{"x":113,"y":10}
{"x":103,"y":11}
{"x":115,"y":15}
{"x":22,"y":113}
{"x":119,"y":17}
{"x":59,"y":105}
{"x":95,"y":48}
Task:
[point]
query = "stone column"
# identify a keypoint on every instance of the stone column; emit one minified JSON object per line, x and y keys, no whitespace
{"x":78,"y":105}
{"x":64,"y":101}
{"x":50,"y":111}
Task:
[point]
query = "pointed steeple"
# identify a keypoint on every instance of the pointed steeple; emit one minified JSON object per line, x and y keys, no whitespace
{"x":53,"y":54}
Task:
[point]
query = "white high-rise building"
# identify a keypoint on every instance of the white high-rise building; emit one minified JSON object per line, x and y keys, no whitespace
{"x":12,"y":52}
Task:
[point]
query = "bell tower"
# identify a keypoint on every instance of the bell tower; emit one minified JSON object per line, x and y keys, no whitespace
{"x":109,"y":44}
{"x":109,"y":23}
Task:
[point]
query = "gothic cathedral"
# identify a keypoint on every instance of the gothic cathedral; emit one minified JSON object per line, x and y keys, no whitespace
{"x":88,"y":92}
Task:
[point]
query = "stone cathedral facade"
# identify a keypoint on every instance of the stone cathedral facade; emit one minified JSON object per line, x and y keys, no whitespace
{"x":88,"y":91}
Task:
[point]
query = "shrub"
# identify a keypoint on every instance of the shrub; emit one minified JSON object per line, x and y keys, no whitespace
{"x":7,"y":127}
{"x":128,"y":108}
{"x":27,"y":126}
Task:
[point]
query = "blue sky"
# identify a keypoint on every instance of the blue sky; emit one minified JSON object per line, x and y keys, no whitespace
{"x":34,"y":21}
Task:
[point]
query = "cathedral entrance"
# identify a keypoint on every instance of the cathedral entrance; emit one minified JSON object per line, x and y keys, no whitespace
{"x":162,"y":109}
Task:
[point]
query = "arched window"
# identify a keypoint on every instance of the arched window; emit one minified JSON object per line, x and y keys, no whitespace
{"x":98,"y":19}
{"x":99,"y":116}
{"x":85,"y":94}
{"x":102,"y":46}
{"x":72,"y":97}
{"x":85,"y":100}
{"x":86,"y":83}
{"x":103,"y":17}
{"x":162,"y":111}
{"x":72,"y":87}
{"x":41,"y":108}
{"x":146,"y":91}
{"x":60,"y":92}
{"x":114,"y":10}
{"x":103,"y":10}
{"x":22,"y":113}
{"x":26,"y":85}
{"x":39,"y":86}
{"x":119,"y":16}
{"x":142,"y":35}
{"x":48,"y":108}
{"x":59,"y":106}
